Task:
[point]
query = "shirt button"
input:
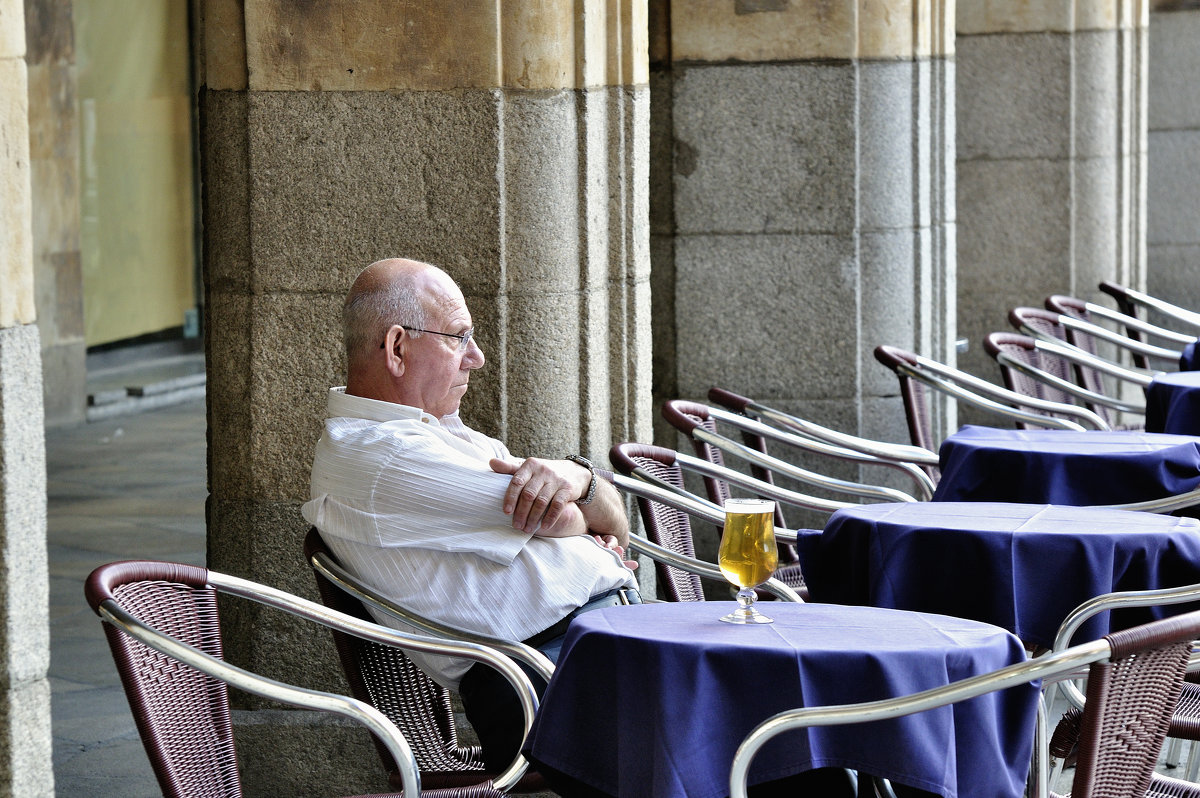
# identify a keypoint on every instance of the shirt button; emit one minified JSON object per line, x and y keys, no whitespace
{"x":425,"y":419}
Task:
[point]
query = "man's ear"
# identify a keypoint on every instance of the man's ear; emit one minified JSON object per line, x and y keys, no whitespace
{"x":395,"y":348}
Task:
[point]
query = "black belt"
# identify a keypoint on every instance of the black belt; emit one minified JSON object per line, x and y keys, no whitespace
{"x":609,"y":598}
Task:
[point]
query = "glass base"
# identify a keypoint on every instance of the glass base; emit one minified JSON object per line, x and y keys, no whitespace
{"x":745,"y":613}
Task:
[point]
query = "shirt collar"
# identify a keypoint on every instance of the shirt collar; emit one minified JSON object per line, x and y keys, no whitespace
{"x":342,"y":404}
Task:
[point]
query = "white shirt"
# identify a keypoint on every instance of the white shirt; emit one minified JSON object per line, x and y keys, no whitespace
{"x":409,"y":504}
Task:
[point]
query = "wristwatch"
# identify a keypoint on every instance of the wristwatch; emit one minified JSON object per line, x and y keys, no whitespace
{"x":586,"y":463}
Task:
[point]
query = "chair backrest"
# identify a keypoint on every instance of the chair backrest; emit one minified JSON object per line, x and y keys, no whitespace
{"x":386,"y":678}
{"x":1131,"y":698}
{"x":1130,"y":302}
{"x":969,"y":389}
{"x":181,"y":714}
{"x":1003,"y":345}
{"x":667,"y":526}
{"x":918,"y":411}
{"x":686,"y":416}
{"x":1035,"y":321}
{"x":675,"y":411}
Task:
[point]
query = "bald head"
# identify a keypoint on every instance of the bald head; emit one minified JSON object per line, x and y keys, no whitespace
{"x":393,"y":291}
{"x":390,"y":355}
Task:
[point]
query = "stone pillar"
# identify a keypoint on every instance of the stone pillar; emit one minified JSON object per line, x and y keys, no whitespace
{"x":806,"y":213}
{"x":506,"y":142}
{"x":1173,"y":197}
{"x":1051,"y":156}
{"x":25,"y":758}
{"x":54,"y":166}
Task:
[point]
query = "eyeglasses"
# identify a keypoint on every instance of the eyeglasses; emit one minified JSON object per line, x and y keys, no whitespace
{"x":464,"y":339}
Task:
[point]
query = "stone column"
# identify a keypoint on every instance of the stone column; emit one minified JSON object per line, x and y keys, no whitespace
{"x":807,"y":214}
{"x":54,"y":162}
{"x":1051,"y":156}
{"x":1173,"y":196}
{"x":504,"y":141}
{"x":25,"y":759}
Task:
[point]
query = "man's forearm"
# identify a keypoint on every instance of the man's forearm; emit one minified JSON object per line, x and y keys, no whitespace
{"x":605,"y":513}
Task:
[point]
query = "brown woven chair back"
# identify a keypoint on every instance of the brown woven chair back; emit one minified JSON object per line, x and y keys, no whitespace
{"x":181,"y":714}
{"x":665,"y":525}
{"x":1024,"y":349}
{"x":1046,"y":322}
{"x":917,"y":410}
{"x":1130,"y":701}
{"x":686,"y":416}
{"x":387,"y":679}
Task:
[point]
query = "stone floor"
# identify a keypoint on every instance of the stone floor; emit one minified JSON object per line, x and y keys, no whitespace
{"x":127,"y":487}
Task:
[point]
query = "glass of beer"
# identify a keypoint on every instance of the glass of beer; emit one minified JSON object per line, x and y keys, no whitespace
{"x":748,"y":555}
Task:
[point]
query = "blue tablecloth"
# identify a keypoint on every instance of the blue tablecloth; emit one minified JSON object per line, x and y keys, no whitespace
{"x":654,"y":699}
{"x":1189,"y":360}
{"x":1065,"y":466}
{"x":1019,"y":566}
{"x":1173,"y":403}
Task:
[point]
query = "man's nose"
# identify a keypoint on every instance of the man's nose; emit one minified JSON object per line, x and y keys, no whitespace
{"x":473,"y":358}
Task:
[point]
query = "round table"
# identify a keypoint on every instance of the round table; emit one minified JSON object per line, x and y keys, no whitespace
{"x":654,"y":699}
{"x":1173,"y":403}
{"x":1020,"y":566}
{"x":1065,"y":466}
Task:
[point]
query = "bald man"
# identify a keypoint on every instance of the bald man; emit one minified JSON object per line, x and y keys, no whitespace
{"x":443,"y":519}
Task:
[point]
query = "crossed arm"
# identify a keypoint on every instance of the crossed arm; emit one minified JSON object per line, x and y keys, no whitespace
{"x":541,"y":498}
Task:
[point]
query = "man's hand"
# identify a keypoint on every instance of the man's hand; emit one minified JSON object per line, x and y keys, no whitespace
{"x":540,"y":490}
{"x":610,"y":542}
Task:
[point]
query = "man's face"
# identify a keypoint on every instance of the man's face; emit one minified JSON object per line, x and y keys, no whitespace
{"x":435,"y":371}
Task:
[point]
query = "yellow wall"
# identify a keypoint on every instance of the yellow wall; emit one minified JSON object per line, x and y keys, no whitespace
{"x":136,"y":166}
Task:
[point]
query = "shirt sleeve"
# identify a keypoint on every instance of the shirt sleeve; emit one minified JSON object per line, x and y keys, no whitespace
{"x":432,"y":496}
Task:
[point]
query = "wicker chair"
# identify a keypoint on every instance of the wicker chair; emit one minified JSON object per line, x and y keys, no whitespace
{"x":1135,"y":678}
{"x":1136,"y":303}
{"x":913,"y":460}
{"x":163,"y":627}
{"x":1137,"y":333}
{"x":384,"y":677}
{"x":1185,"y":719}
{"x":1075,"y":343}
{"x":654,"y":476}
{"x":1044,"y":369}
{"x":917,"y":375}
{"x":704,"y":425}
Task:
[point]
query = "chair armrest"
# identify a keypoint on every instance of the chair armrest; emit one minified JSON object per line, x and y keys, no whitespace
{"x":1066,"y":386}
{"x":1074,"y":354}
{"x":1145,"y":327}
{"x":352,"y":708}
{"x":872,"y":449}
{"x":776,"y":465}
{"x":1167,"y":504}
{"x":1117,"y":339}
{"x":703,"y":569}
{"x":850,"y":447}
{"x":1114,"y":601}
{"x":318,"y":613}
{"x":1052,"y":667}
{"x":1002,"y":401}
{"x":355,"y":587}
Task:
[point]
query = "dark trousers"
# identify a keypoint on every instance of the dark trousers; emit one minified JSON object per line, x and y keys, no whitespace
{"x":494,"y":712}
{"x":491,"y":704}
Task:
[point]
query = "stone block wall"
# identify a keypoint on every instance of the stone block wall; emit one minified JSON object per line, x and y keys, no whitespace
{"x":1173,"y":193}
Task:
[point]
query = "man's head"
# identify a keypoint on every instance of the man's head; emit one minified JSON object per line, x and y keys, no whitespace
{"x":391,"y":320}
